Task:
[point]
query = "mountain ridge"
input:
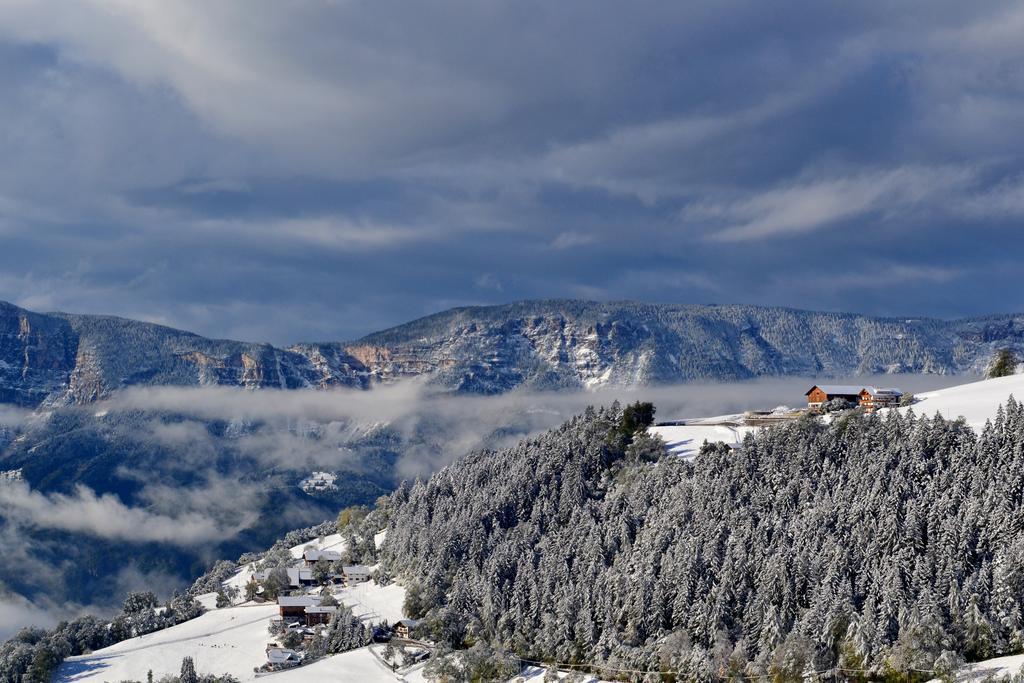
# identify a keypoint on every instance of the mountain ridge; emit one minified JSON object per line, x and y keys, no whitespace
{"x":67,"y":358}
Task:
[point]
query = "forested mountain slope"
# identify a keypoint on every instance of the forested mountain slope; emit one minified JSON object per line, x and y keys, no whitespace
{"x":868,"y":543}
{"x":61,"y":358}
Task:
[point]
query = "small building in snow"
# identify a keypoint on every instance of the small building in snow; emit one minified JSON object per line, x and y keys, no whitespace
{"x":283,"y":656}
{"x":869,"y":398}
{"x":405,"y":627}
{"x":319,"y":614}
{"x":356,"y":573}
{"x":300,"y":576}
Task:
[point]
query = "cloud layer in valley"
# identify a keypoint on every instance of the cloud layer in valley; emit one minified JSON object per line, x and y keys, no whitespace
{"x":320,"y":170}
{"x":107,"y":517}
{"x":435,"y":428}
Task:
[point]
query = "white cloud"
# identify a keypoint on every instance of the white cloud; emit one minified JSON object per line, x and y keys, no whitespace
{"x":809,"y":205}
{"x":336,"y":233}
{"x":107,"y":517}
{"x":880,"y":276}
{"x":17,"y":612}
{"x":572,"y":239}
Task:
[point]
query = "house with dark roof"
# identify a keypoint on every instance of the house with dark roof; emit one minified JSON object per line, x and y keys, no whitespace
{"x":319,"y":614}
{"x":405,"y":627}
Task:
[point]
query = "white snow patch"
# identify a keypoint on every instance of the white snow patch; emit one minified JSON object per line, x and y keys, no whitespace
{"x":535,"y":674}
{"x":976,"y":402}
{"x":319,"y":481}
{"x":332,"y":542}
{"x":372,"y":602}
{"x":357,"y":666}
{"x":686,"y":440}
{"x":990,"y":669}
{"x":241,"y":577}
{"x":229,"y":640}
{"x":207,"y":600}
{"x":12,"y":475}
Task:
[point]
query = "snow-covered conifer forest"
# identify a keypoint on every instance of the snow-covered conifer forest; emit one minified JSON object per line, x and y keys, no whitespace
{"x":867,"y":544}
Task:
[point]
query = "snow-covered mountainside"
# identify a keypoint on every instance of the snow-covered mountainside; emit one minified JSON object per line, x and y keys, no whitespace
{"x":61,"y":358}
{"x":867,"y":542}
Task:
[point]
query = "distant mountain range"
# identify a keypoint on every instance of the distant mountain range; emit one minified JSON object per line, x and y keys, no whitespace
{"x":63,"y":359}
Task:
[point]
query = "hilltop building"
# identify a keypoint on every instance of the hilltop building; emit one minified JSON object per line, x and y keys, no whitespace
{"x":868,"y":398}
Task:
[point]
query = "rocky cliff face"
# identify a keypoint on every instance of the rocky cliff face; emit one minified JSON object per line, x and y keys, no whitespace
{"x":583,"y":344}
{"x":61,"y":359}
{"x":37,"y":355}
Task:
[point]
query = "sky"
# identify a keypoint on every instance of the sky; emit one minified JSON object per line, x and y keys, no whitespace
{"x":316,"y":170}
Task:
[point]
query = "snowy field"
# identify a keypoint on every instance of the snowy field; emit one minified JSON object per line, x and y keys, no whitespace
{"x":374,"y":603}
{"x":991,"y":668}
{"x":535,"y":674}
{"x":233,"y":640}
{"x":976,"y":402}
{"x":686,"y":440}
{"x":354,"y":666}
{"x":229,"y":640}
{"x":332,"y":542}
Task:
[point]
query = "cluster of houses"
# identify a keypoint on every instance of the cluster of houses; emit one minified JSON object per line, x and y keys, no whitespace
{"x":304,"y":613}
{"x":868,"y":398}
{"x":303,"y":575}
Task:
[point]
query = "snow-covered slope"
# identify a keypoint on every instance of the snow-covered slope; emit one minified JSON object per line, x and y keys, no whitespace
{"x":229,"y":640}
{"x":997,"y":668}
{"x":975,"y":402}
{"x":686,"y":440}
{"x":233,"y":639}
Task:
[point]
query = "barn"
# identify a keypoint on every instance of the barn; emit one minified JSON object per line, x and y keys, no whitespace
{"x":820,"y":394}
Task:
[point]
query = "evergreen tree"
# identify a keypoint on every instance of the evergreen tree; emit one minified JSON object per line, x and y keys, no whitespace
{"x":188,"y":671}
{"x":1004,"y":364}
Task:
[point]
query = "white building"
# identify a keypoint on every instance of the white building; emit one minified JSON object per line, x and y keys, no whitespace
{"x":357,"y":573}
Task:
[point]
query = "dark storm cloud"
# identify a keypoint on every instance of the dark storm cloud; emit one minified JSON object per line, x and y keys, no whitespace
{"x":320,"y":170}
